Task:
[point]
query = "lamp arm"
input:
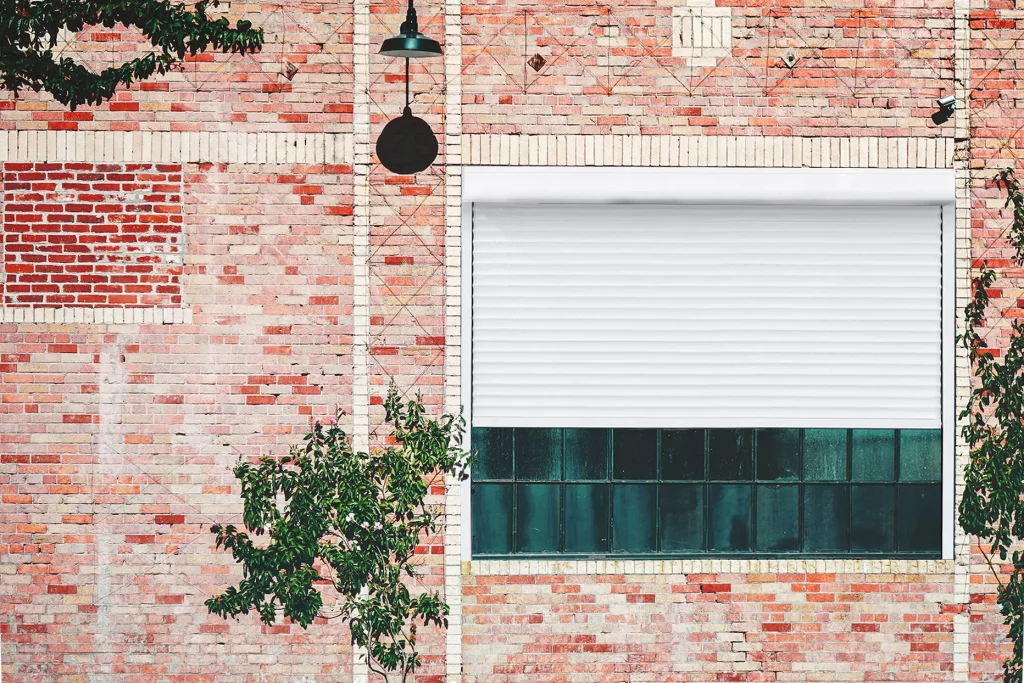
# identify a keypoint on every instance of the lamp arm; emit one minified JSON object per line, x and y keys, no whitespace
{"x":410,"y":25}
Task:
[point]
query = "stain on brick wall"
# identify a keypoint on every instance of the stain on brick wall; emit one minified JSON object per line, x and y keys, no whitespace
{"x":78,"y":234}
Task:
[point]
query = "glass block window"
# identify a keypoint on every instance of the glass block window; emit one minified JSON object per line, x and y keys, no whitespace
{"x":707,"y":492}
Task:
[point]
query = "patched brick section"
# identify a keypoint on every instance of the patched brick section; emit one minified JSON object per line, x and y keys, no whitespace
{"x":708,"y":627}
{"x":101,"y":235}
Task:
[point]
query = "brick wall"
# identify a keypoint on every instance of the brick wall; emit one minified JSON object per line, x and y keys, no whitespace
{"x":610,"y":68}
{"x":995,"y":144}
{"x":117,"y":441}
{"x":116,"y":437}
{"x":213,"y":90}
{"x":760,"y":626}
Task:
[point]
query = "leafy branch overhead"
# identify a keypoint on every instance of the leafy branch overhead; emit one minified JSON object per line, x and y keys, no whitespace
{"x":351,"y":520}
{"x":29,"y":58}
{"x":991,"y":507}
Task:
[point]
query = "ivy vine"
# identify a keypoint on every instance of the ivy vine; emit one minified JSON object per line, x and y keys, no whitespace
{"x":992,"y":507}
{"x":29,"y":31}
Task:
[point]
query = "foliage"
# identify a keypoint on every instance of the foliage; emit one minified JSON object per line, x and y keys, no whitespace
{"x":30,"y":30}
{"x":349,"y":519}
{"x":991,"y":507}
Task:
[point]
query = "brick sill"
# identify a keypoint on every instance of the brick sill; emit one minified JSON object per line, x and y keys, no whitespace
{"x":681,"y":567}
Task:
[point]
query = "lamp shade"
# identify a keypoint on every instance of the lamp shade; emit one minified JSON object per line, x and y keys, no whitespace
{"x":409,"y":42}
{"x":411,"y":45}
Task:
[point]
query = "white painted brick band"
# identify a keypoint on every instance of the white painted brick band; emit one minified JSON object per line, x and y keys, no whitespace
{"x":175,"y":147}
{"x":97,"y":316}
{"x":722,"y":151}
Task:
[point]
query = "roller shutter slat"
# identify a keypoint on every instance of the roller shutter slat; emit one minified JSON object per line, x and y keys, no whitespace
{"x":701,"y":316}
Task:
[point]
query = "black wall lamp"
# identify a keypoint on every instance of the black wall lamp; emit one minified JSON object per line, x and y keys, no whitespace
{"x":407,"y":145}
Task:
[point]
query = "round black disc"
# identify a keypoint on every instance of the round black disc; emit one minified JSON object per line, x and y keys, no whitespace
{"x":406,"y":145}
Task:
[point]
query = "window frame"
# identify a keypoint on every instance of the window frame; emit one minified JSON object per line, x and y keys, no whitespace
{"x":718,"y":185}
{"x":753,"y":482}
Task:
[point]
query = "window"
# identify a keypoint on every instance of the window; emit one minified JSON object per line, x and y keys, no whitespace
{"x":707,"y":380}
{"x":698,"y":492}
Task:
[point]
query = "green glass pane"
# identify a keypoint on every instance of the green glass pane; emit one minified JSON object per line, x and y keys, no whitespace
{"x":730,"y":454}
{"x":635,"y":453}
{"x":778,"y":519}
{"x":874,"y":455}
{"x":492,"y":518}
{"x":874,"y":519}
{"x":493,"y":448}
{"x":682,"y":454}
{"x":682,"y":517}
{"x":729,"y":517}
{"x":586,"y":518}
{"x":826,"y":517}
{"x":920,"y":525}
{"x":537,"y":518}
{"x":824,"y":455}
{"x":633,"y":518}
{"x":778,"y":454}
{"x":586,"y":454}
{"x":538,"y":454}
{"x":920,"y":455}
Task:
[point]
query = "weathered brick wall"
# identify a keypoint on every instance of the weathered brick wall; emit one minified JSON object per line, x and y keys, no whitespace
{"x":212,"y":90}
{"x":115,"y":438}
{"x":996,"y":124}
{"x":762,"y":626}
{"x":118,"y":439}
{"x":609,"y":68}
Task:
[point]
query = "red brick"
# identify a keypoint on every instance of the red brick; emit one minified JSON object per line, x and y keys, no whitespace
{"x":776,"y":627}
{"x":169,"y":519}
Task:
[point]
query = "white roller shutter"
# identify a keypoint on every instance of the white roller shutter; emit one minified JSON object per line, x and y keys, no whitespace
{"x":706,"y":316}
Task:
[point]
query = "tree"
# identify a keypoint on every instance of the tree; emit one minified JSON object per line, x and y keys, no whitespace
{"x":992,"y":507}
{"x":30,"y":29}
{"x":349,"y":519}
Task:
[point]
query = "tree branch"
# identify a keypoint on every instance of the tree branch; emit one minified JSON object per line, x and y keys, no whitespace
{"x":991,"y":566}
{"x":379,"y":671}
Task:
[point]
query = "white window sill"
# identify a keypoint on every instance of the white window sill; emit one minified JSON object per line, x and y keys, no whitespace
{"x":708,"y":566}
